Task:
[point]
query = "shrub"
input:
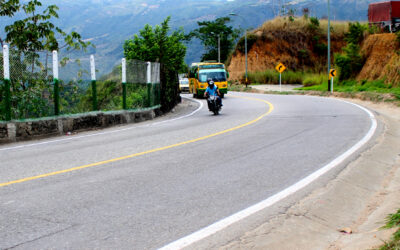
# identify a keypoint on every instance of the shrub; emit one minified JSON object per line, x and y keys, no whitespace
{"x":373,"y":29}
{"x":349,"y":63}
{"x":356,"y":33}
{"x":314,"y":21}
{"x":313,"y":26}
{"x":319,"y":48}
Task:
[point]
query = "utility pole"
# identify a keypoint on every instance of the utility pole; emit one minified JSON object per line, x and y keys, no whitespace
{"x":245,"y":49}
{"x":329,"y":41}
{"x":219,"y":48}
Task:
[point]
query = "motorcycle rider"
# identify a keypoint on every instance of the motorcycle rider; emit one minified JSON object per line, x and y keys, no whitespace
{"x":213,"y":90}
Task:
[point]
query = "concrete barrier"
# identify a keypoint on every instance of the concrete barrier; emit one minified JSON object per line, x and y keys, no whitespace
{"x":52,"y":126}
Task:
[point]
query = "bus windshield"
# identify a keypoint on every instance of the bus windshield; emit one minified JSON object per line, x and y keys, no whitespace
{"x":216,"y":76}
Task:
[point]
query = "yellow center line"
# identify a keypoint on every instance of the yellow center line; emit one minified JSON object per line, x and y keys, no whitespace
{"x":271,"y":108}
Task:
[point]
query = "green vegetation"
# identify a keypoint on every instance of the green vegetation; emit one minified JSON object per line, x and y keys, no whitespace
{"x":31,"y":40}
{"x":156,"y":45}
{"x":35,"y":32}
{"x":393,"y":221}
{"x":272,"y":77}
{"x":208,"y":33}
{"x":351,"y":62}
{"x":375,"y":89}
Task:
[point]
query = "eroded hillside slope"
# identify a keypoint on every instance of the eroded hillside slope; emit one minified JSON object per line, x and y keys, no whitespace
{"x":382,"y":61}
{"x":301,"y":46}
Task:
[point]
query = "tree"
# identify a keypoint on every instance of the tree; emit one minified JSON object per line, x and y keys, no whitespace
{"x":8,"y":8}
{"x":36,"y":32}
{"x":157,"y":45}
{"x":350,"y":62}
{"x":356,"y":33}
{"x":27,"y":37}
{"x":208,"y":33}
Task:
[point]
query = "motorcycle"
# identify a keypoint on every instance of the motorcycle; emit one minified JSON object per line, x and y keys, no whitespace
{"x":213,"y":104}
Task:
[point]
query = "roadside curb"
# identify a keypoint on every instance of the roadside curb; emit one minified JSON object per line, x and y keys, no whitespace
{"x":360,"y":198}
{"x":52,"y":126}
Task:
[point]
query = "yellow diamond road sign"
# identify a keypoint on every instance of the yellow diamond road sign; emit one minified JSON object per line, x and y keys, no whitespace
{"x":332,"y":73}
{"x":280,"y":68}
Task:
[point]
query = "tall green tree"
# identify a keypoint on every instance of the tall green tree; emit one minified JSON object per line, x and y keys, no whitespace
{"x":8,"y":8}
{"x":36,"y":32}
{"x":158,"y":44}
{"x":208,"y":33}
{"x":31,"y":33}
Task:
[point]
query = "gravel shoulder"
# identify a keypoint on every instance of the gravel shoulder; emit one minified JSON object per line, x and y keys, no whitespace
{"x":359,"y":199}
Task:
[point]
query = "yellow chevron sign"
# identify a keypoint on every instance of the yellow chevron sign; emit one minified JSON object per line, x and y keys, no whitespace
{"x":332,"y":73}
{"x":280,"y":68}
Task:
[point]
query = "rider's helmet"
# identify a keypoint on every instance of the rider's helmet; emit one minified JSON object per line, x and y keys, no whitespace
{"x":210,"y":83}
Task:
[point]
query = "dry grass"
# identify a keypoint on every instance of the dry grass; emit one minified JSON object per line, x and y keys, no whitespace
{"x":300,"y":24}
{"x":382,"y":60}
{"x":339,"y":27}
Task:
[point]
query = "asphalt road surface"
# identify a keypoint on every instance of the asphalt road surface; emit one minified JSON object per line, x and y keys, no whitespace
{"x":146,"y":185}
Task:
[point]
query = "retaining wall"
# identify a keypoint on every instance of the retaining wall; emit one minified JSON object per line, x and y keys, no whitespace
{"x":32,"y":129}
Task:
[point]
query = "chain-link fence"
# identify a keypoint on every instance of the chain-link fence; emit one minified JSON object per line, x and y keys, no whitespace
{"x":30,"y":84}
{"x":74,"y":82}
{"x":36,"y":92}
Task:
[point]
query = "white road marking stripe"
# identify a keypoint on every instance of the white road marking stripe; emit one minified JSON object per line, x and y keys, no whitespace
{"x":108,"y":132}
{"x":224,"y":223}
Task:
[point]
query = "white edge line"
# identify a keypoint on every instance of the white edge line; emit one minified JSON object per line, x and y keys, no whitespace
{"x":185,"y":116}
{"x":224,"y":223}
{"x":108,"y":132}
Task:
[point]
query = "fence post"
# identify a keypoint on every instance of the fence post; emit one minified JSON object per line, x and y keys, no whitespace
{"x":7,"y":85}
{"x":56,"y":84}
{"x":94,"y":88}
{"x":149,"y":84}
{"x":124,"y":106}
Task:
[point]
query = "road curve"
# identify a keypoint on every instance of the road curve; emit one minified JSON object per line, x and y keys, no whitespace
{"x":144,"y":186}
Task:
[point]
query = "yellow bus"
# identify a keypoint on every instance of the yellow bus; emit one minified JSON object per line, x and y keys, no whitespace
{"x":200,"y":72}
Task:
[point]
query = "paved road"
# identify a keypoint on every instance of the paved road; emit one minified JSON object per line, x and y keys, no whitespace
{"x":114,"y":190}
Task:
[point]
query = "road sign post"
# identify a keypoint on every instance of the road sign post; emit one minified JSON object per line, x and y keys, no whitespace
{"x":332,"y":74}
{"x":94,"y":87}
{"x":56,"y":84}
{"x":280,"y":68}
{"x":149,"y":84}
{"x":7,"y":84}
{"x":124,"y":106}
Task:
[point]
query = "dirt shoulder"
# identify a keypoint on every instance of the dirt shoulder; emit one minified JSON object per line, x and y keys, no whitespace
{"x":359,"y":199}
